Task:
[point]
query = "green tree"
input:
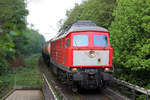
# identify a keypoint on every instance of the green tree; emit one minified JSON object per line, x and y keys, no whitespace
{"x":72,"y":15}
{"x":34,"y":42}
{"x":98,"y":11}
{"x":15,"y":38}
{"x":130,"y":39}
{"x":12,"y":22}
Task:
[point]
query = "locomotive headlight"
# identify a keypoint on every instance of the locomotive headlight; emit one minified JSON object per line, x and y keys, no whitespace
{"x":110,"y":69}
{"x":107,"y":69}
{"x":92,"y":54}
{"x":74,"y":69}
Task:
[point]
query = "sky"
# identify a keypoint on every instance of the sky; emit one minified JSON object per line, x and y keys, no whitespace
{"x":45,"y":14}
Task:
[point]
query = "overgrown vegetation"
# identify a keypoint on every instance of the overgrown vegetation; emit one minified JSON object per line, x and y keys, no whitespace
{"x":129,"y":24}
{"x":96,"y":10}
{"x":15,"y":38}
{"x":16,"y":41}
{"x":31,"y":63}
{"x":130,"y":38}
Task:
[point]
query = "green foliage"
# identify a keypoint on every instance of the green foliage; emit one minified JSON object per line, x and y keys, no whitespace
{"x":7,"y":79}
{"x":142,"y":97}
{"x":32,"y":60}
{"x":3,"y":66}
{"x":130,"y":39}
{"x":15,"y":38}
{"x":12,"y":16}
{"x":34,"y":42}
{"x":72,"y":16}
{"x":28,"y":79}
{"x":98,"y":11}
{"x":12,"y":21}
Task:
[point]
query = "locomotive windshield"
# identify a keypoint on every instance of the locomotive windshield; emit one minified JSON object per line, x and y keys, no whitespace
{"x":100,"y":40}
{"x":80,"y":40}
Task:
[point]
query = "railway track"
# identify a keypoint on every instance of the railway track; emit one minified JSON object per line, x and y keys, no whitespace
{"x":66,"y":93}
{"x":95,"y":95}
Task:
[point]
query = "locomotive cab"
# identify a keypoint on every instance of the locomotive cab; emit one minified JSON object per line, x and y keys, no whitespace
{"x":91,"y":58}
{"x":91,"y":49}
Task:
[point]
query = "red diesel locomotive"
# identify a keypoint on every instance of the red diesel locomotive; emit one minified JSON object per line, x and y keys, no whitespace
{"x":81,"y":55}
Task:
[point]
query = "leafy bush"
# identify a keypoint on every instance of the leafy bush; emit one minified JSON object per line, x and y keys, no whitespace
{"x":7,"y":80}
{"x":130,"y":40}
{"x":5,"y":83}
{"x":3,"y":66}
{"x":32,"y":60}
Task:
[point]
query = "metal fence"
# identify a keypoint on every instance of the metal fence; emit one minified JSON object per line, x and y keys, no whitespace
{"x":24,"y":82}
{"x":47,"y":90}
{"x":134,"y":89}
{"x":35,"y":81}
{"x":27,"y":81}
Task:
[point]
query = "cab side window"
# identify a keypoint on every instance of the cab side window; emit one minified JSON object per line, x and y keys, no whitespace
{"x":68,"y":43}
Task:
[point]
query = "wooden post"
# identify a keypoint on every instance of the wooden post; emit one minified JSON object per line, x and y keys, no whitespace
{"x":146,"y":97}
{"x":133,"y":95}
{"x":15,"y":81}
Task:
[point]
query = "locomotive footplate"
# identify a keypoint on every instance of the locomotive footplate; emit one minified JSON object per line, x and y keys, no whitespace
{"x":89,"y":78}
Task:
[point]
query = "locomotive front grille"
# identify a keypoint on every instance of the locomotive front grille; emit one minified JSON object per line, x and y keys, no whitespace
{"x":83,"y":57}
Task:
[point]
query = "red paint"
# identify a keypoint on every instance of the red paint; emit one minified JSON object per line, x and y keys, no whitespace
{"x":65,"y":55}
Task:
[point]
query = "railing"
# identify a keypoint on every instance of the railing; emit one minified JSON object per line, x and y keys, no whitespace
{"x":134,"y":88}
{"x":38,"y":81}
{"x":34,"y":82}
{"x":27,"y":81}
{"x":5,"y":88}
{"x":47,"y":90}
{"x":24,"y":82}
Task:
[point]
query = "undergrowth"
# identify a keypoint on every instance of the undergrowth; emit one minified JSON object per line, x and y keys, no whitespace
{"x":31,"y":68}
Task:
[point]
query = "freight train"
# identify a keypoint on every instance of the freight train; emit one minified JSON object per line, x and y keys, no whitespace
{"x":81,"y":55}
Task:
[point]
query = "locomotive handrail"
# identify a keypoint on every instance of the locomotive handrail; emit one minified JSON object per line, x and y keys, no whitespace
{"x":134,"y":88}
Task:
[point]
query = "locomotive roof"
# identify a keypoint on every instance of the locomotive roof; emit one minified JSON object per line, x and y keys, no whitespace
{"x":81,"y":25}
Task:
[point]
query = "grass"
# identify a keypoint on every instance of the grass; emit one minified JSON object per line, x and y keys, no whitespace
{"x":28,"y":80}
{"x":25,"y":75}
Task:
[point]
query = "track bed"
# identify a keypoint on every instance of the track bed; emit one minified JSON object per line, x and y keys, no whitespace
{"x":68,"y":94}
